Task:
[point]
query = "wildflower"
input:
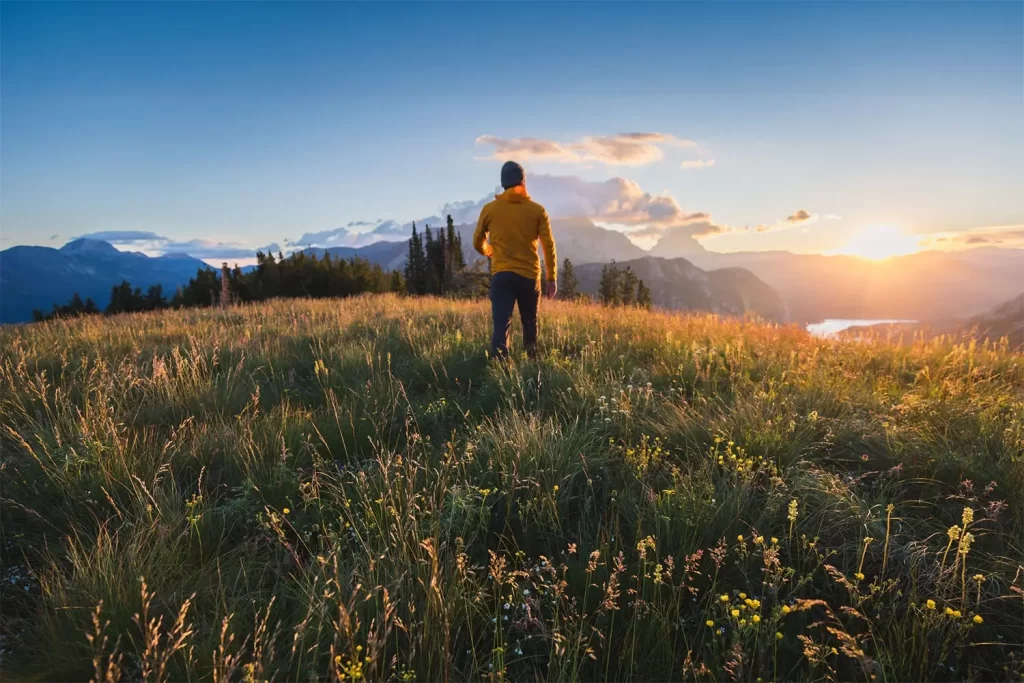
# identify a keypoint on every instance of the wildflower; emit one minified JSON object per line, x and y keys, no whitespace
{"x":337,"y":659}
{"x":775,"y":541}
{"x":755,"y":604}
{"x":793,"y":510}
{"x":554,"y":488}
{"x":956,"y":614}
{"x":954,"y":532}
{"x":778,"y":635}
{"x":740,"y":538}
{"x":965,"y":543}
{"x":759,"y":540}
{"x":735,"y":613}
{"x":743,"y":622}
{"x":743,"y":596}
{"x":786,"y":609}
{"x":977,"y":619}
{"x":967,"y":517}
{"x":756,"y":618}
{"x":979,"y":577}
{"x":930,"y":604}
{"x":710,"y":623}
{"x":949,"y":611}
{"x":859,"y":576}
{"x":724,"y":598}
{"x":286,"y":511}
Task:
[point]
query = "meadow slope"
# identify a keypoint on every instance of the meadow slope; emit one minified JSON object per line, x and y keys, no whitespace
{"x":349,"y":489}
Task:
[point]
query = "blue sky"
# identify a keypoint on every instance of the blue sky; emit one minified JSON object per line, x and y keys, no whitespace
{"x":220,"y":126}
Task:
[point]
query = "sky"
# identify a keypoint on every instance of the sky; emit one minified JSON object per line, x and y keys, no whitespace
{"x":217,"y":128}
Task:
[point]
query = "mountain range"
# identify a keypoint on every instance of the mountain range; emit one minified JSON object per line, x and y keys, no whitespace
{"x":926,"y":286}
{"x":39,"y":277}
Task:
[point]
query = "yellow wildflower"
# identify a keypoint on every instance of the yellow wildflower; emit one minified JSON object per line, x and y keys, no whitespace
{"x":930,"y":604}
{"x":286,"y":511}
{"x":756,"y":618}
{"x":977,"y":619}
{"x":786,"y":609}
{"x":735,"y":613}
{"x":724,"y":598}
{"x":778,"y":635}
{"x":710,"y":623}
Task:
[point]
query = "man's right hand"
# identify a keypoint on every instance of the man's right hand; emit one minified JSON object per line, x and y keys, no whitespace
{"x":552,"y":289}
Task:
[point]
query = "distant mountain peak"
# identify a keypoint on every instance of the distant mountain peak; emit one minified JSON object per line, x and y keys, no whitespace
{"x":90,"y":246}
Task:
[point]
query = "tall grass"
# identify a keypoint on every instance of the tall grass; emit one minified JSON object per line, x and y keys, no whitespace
{"x":350,"y":490}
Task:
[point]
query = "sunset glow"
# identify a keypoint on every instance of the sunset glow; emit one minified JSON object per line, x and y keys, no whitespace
{"x":880,"y":242}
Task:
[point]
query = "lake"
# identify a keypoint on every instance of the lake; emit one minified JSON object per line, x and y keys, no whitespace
{"x":832,"y":326}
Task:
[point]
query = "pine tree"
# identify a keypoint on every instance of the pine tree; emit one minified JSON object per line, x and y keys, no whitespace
{"x":609,"y":290}
{"x":415,"y":265}
{"x":396,"y":284}
{"x":643,"y":295}
{"x":431,"y":281}
{"x":627,"y":287}
{"x":569,"y":287}
{"x":458,"y":258}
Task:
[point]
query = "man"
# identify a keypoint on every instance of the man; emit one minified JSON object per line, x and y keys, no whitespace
{"x":507,"y":234}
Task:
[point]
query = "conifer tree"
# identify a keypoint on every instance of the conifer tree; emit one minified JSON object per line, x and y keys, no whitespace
{"x":627,"y":287}
{"x":609,"y":290}
{"x":643,"y":295}
{"x":569,"y":287}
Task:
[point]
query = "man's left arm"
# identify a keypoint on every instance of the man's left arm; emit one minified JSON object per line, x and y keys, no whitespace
{"x":547,"y":242}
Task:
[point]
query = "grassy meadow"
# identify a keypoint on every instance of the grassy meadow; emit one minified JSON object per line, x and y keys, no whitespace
{"x":350,"y":490}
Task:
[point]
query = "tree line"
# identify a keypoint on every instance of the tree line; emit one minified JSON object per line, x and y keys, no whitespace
{"x":435,"y":265}
{"x":297,"y":275}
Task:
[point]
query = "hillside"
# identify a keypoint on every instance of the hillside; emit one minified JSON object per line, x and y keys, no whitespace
{"x":926,"y":286}
{"x":679,"y":285}
{"x":39,"y":277}
{"x":1004,"y":320}
{"x":304,"y":489}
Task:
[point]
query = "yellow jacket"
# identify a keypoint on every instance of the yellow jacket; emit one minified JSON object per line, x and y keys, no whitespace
{"x":512,"y":224}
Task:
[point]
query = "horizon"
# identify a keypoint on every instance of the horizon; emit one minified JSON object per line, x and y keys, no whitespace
{"x":288,"y":126}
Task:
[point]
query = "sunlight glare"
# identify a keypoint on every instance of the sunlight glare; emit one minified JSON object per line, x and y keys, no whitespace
{"x":879,"y":242}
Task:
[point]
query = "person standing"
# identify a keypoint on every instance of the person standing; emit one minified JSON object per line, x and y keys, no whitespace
{"x":507,"y":233}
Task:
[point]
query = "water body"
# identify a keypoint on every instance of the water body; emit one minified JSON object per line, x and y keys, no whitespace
{"x":830,"y":327}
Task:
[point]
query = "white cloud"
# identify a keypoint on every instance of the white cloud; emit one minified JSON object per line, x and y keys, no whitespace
{"x":153,"y":244}
{"x":695,"y":164}
{"x":624,"y":149}
{"x":616,"y":201}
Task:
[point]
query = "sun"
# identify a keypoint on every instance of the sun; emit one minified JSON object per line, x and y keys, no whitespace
{"x":879,"y":242}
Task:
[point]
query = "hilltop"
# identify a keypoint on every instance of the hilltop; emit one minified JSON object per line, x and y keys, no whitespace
{"x":311,"y":489}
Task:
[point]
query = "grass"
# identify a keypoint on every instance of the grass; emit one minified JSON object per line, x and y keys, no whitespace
{"x":350,"y":490}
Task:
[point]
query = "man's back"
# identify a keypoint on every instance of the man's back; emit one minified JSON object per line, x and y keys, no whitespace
{"x":513,"y":223}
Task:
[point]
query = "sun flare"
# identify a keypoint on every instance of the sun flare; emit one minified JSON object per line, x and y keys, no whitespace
{"x":879,"y":242}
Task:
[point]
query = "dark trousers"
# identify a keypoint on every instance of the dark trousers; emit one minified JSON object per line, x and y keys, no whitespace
{"x":507,"y":290}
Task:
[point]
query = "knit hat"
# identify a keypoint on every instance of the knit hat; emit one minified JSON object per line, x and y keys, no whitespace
{"x":512,"y":174}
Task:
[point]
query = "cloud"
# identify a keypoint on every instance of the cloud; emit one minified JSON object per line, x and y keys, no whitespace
{"x":153,"y":244}
{"x":801,"y":216}
{"x":694,"y":164}
{"x":616,"y":201}
{"x":624,"y":149}
{"x":123,"y":236}
{"x":1004,"y":236}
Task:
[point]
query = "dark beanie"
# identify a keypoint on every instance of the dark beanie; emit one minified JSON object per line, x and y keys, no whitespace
{"x":512,"y":174}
